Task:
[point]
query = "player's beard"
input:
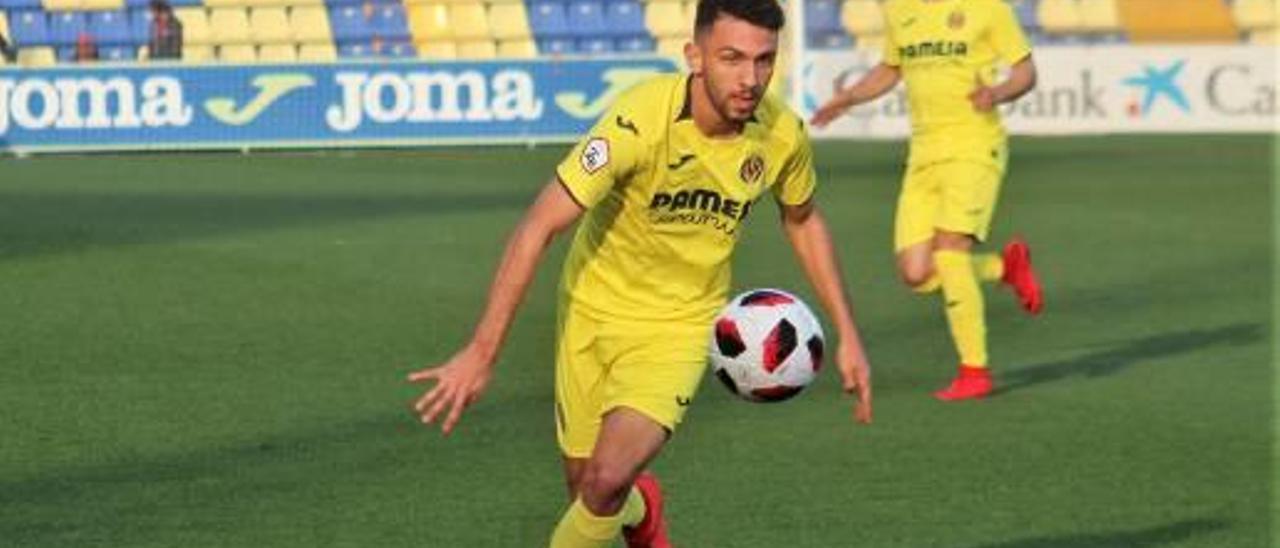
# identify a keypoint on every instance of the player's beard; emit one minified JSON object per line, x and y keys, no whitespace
{"x":736,"y":107}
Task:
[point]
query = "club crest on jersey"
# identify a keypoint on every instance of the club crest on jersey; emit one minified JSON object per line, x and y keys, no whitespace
{"x":751,"y":170}
{"x":595,"y":155}
{"x":956,"y":21}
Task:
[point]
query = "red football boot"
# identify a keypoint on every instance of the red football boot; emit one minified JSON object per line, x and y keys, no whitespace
{"x":972,"y":383}
{"x":651,"y":532}
{"x":1019,"y":275}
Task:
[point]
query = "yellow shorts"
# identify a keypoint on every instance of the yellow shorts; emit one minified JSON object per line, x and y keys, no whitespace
{"x":652,"y":368}
{"x":954,"y":196}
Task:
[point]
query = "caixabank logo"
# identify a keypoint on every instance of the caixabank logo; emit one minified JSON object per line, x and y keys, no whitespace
{"x":1155,"y":85}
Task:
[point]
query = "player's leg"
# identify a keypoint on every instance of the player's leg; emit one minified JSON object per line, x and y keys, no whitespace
{"x":913,"y":229}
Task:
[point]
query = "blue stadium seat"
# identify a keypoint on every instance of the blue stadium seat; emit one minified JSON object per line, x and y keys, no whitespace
{"x":134,"y":4}
{"x":1026,"y":11}
{"x":556,"y":46}
{"x":65,"y":54}
{"x":586,"y":19}
{"x":635,"y":44}
{"x":548,"y":20}
{"x":140,"y":25}
{"x":830,"y":40}
{"x":401,"y":49}
{"x":111,"y":28}
{"x":117,"y":54}
{"x":389,"y":22}
{"x":355,"y":49}
{"x":29,"y":28}
{"x":349,"y":25}
{"x":822,"y":17}
{"x":20,"y":5}
{"x":625,"y":18}
{"x":594,"y":45}
{"x":65,"y":27}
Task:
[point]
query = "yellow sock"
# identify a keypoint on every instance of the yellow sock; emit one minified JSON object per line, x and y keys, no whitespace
{"x":988,"y":266}
{"x":964,"y":305}
{"x":633,"y":510}
{"x":579,"y":528}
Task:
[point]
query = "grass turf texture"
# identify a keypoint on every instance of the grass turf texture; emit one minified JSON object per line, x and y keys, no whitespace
{"x":209,"y":350}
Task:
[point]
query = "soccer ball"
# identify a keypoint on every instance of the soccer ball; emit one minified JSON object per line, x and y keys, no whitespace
{"x":767,"y":345}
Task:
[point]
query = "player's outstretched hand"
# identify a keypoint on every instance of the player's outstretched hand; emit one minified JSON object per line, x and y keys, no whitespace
{"x":827,"y":113}
{"x":855,"y":373}
{"x":459,"y":383}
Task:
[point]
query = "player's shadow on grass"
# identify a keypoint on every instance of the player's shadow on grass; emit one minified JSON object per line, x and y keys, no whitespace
{"x":1115,"y":359}
{"x":1150,"y":537}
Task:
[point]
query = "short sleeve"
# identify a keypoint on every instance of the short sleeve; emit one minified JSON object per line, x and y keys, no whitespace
{"x":1007,"y":38}
{"x":798,"y":179}
{"x":609,"y":153}
{"x":891,"y":54}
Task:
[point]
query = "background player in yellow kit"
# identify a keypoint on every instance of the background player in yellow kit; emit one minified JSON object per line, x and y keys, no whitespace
{"x":662,"y":184}
{"x":948,"y":52}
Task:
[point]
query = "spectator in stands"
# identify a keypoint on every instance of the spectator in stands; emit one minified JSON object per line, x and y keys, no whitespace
{"x":166,"y":32}
{"x":86,"y":48}
{"x":7,"y":50}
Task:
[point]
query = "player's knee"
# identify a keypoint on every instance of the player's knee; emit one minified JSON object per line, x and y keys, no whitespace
{"x":915,"y":274}
{"x":603,"y":485}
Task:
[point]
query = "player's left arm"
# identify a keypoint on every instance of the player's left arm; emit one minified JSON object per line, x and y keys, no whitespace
{"x":1011,"y":44}
{"x":806,"y":229}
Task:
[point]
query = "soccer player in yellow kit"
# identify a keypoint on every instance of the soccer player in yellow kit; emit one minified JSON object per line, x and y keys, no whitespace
{"x":948,"y":52}
{"x":662,"y":184}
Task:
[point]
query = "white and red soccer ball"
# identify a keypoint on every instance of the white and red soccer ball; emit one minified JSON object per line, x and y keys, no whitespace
{"x":767,"y":345}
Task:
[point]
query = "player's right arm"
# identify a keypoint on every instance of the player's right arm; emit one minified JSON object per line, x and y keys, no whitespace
{"x":879,"y":81}
{"x":461,"y":379}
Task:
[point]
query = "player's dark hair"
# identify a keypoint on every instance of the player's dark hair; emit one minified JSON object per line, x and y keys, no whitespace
{"x":761,"y":13}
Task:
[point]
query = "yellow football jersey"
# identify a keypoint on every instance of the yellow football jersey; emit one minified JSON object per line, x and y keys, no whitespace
{"x":666,"y":203}
{"x":944,"y":48}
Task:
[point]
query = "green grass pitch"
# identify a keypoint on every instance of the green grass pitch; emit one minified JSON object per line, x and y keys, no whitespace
{"x":208,"y":350}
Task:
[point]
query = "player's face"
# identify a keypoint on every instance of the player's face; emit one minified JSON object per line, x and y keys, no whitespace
{"x":734,"y":59}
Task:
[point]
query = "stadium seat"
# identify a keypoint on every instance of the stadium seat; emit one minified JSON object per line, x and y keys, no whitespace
{"x":822,"y":17}
{"x":556,"y":46}
{"x":1266,"y":37}
{"x":237,"y":52}
{"x":197,"y":53}
{"x":349,"y":23}
{"x":310,"y":24}
{"x":547,"y":20}
{"x":20,"y":5}
{"x":270,"y":25}
{"x":1099,"y":16}
{"x":118,"y":54}
{"x":317,"y":53}
{"x":37,"y":57}
{"x":1060,"y":16}
{"x":389,"y":22}
{"x":101,"y":5}
{"x":870,"y":43}
{"x":471,"y":22}
{"x":4,"y":26}
{"x":429,"y":22}
{"x":29,"y":28}
{"x":1026,"y":12}
{"x":634,"y":44}
{"x":440,"y":49}
{"x":1186,"y":21}
{"x":278,"y":53}
{"x":509,"y":21}
{"x":111,"y":27}
{"x":229,"y":26}
{"x":65,"y":26}
{"x":1254,"y":14}
{"x":522,"y":48}
{"x":195,"y":26}
{"x":399,"y":49}
{"x":586,"y":20}
{"x":355,"y":50}
{"x":665,"y":19}
{"x":60,"y":5}
{"x":477,"y":49}
{"x":673,"y":47}
{"x":625,"y":19}
{"x":862,"y":17}
{"x":596,"y":45}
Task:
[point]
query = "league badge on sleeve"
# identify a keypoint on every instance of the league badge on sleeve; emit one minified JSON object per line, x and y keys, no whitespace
{"x":595,"y":155}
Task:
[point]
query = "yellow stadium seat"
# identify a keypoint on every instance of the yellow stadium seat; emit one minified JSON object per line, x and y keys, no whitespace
{"x":870,"y":43}
{"x":310,"y":24}
{"x":665,"y":18}
{"x":477,"y":49}
{"x":4,"y":25}
{"x":862,"y":17}
{"x":689,"y":13}
{"x":1099,"y":15}
{"x":440,"y":49}
{"x":469,"y":21}
{"x":37,"y":57}
{"x":196,"y":54}
{"x":226,"y":3}
{"x":509,"y":21}
{"x":229,"y":26}
{"x":60,"y":5}
{"x":1254,"y":14}
{"x":517,"y":49}
{"x":1060,"y":16}
{"x":195,"y":26}
{"x":317,"y":53}
{"x":277,"y":53}
{"x":269,"y":26}
{"x":101,"y":5}
{"x":237,"y":53}
{"x":428,"y":22}
{"x":1187,"y":21}
{"x":672,"y":46}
